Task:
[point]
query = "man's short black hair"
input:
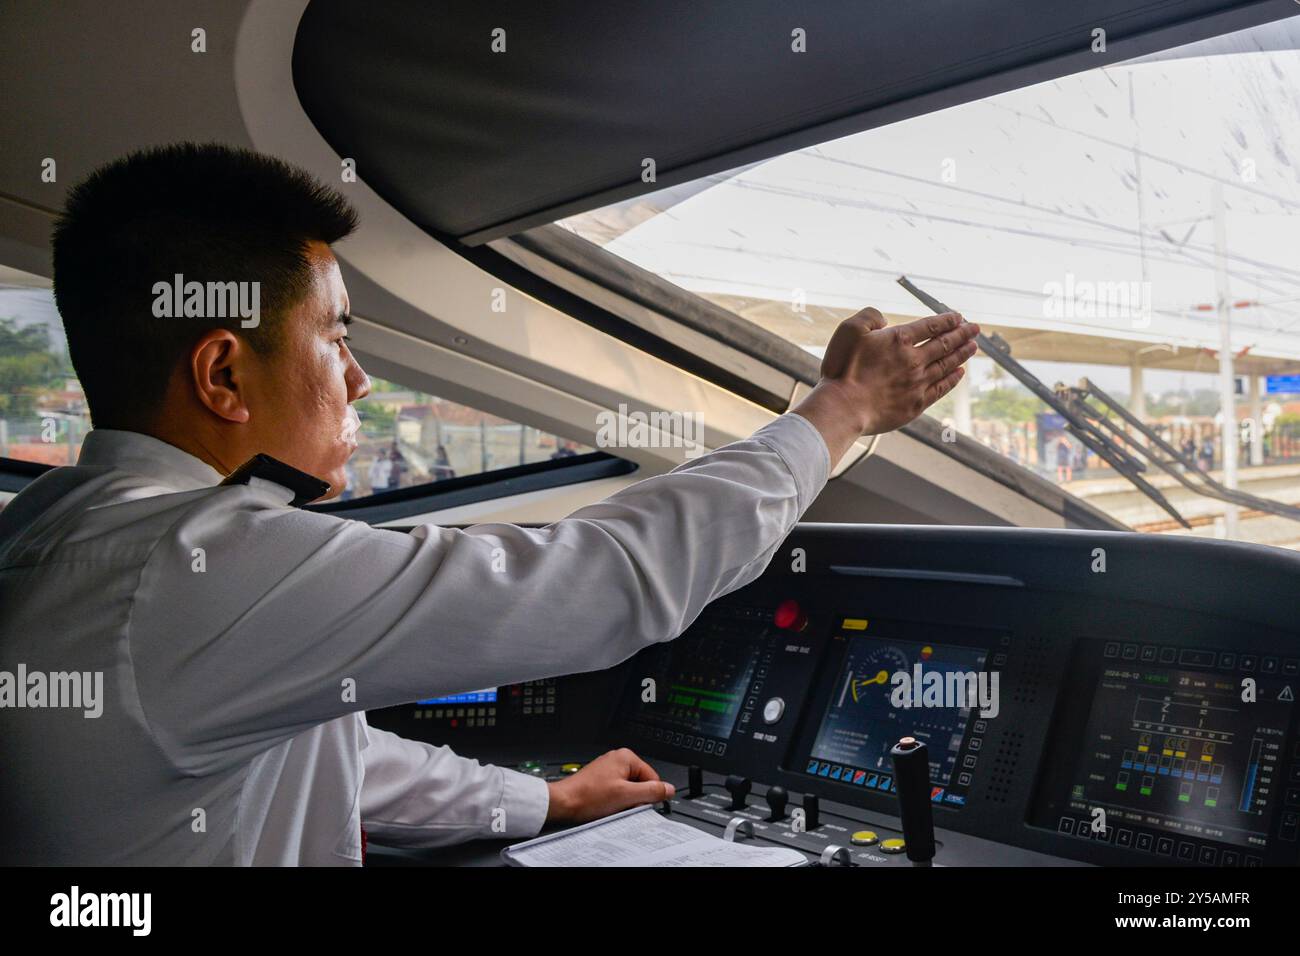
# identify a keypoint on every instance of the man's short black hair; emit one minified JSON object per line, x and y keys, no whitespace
{"x":208,"y":212}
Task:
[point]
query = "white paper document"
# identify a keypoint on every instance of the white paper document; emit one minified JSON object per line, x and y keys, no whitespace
{"x":642,"y":837}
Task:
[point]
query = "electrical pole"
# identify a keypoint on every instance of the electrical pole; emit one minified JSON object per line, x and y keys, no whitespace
{"x":1227,"y":391}
{"x":1137,"y":401}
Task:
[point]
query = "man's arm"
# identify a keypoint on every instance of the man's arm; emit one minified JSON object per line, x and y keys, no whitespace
{"x":418,"y":795}
{"x":302,"y":617}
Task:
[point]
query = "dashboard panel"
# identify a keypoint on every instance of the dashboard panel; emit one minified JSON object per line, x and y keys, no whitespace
{"x":1085,"y":698}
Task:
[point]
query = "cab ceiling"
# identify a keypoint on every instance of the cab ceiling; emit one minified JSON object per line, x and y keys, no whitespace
{"x":475,"y":144}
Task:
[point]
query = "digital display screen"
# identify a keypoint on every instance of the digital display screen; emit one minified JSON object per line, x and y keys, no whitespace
{"x":1180,"y":750}
{"x":862,"y":722}
{"x":699,"y":681}
{"x":488,"y":696}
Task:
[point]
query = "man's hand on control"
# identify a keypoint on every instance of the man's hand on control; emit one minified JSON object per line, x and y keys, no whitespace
{"x":875,"y":379}
{"x":618,"y":780}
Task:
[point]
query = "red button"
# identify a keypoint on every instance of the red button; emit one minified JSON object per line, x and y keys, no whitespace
{"x":789,"y":617}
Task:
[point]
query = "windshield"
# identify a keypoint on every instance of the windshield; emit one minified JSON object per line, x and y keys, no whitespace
{"x":1094,"y":223}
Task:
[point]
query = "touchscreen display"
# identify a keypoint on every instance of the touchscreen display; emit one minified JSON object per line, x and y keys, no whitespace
{"x":870,"y":708}
{"x":1169,"y":750}
{"x":1182,"y":750}
{"x":485,"y":696}
{"x":700,"y":681}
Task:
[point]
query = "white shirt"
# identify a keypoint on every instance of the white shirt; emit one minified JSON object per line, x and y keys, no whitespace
{"x":241,"y":640}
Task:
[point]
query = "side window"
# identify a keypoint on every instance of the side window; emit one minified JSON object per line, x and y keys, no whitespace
{"x":43,"y":414}
{"x":407,"y":437}
{"x":411,"y":438}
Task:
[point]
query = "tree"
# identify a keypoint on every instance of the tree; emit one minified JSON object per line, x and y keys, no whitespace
{"x":377,"y":421}
{"x":26,"y":366}
{"x":1007,"y":404}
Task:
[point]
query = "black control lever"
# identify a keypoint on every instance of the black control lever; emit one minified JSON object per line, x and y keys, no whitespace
{"x":738,"y":787}
{"x":694,"y":781}
{"x":777,"y":800}
{"x":812,"y":815}
{"x":912,"y":777}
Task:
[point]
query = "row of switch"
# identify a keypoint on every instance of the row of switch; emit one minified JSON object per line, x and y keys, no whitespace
{"x":1185,"y":850}
{"x":1191,"y":657}
{"x":778,"y":799}
{"x":707,"y":745}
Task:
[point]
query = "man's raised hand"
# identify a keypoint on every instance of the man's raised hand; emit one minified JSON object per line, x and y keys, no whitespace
{"x":877,"y":378}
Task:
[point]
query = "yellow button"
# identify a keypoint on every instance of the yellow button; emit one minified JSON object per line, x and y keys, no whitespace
{"x":865,"y":838}
{"x":570,"y":768}
{"x":893,"y":845}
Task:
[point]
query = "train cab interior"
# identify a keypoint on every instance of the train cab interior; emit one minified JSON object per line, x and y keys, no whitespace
{"x":598,"y":240}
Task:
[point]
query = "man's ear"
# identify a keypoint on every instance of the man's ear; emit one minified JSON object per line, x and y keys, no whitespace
{"x":218,"y":368}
